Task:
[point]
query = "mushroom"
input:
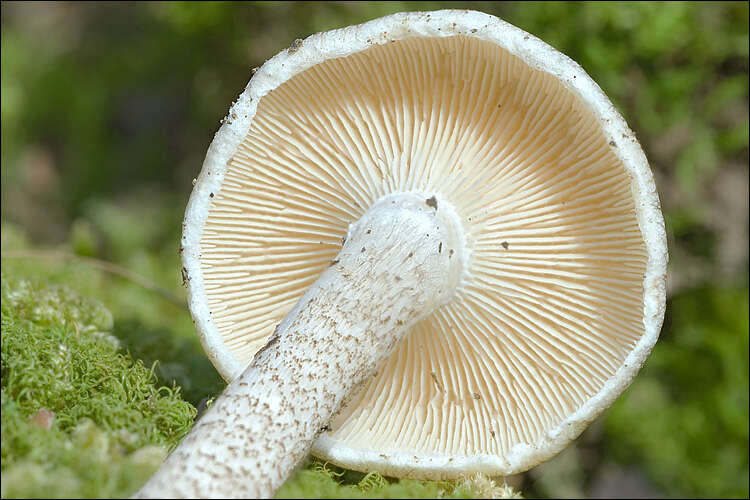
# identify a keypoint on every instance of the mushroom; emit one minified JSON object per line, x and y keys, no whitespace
{"x":427,"y":245}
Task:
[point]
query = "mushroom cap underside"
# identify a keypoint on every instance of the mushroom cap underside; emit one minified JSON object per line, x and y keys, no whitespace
{"x":564,"y":292}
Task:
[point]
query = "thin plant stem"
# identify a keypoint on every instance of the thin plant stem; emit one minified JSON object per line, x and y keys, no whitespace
{"x":102,"y":265}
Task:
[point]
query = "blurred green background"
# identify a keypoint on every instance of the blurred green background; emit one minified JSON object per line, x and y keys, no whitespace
{"x":108,"y":109}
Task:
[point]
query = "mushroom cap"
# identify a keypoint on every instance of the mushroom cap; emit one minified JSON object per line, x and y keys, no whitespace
{"x":564,"y":288}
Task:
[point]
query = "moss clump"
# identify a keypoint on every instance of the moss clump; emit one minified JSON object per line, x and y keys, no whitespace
{"x":318,"y":479}
{"x":146,"y":325}
{"x":80,"y":418}
{"x":84,"y":462}
{"x":321,"y":480}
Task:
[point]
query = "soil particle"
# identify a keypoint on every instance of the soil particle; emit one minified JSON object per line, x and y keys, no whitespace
{"x":294,"y":47}
{"x":44,"y":418}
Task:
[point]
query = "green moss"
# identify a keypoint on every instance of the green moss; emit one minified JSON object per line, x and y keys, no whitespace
{"x":111,"y":424}
{"x":83,"y":462}
{"x":150,"y":328}
{"x":321,"y":480}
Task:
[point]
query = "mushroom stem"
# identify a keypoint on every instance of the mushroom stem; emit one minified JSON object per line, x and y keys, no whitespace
{"x":400,"y":261}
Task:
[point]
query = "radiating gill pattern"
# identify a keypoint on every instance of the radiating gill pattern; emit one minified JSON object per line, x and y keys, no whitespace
{"x":554,"y":300}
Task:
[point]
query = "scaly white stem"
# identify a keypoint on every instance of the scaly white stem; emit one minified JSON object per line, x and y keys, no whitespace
{"x":400,"y":261}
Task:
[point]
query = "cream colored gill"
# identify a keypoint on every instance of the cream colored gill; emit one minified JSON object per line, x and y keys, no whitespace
{"x":557,"y":260}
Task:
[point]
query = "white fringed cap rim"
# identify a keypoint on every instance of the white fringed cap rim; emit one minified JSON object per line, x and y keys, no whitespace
{"x":567,"y":250}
